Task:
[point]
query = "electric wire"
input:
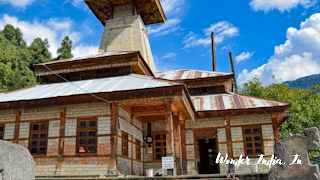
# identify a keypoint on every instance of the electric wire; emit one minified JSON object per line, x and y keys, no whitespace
{"x":27,"y":55}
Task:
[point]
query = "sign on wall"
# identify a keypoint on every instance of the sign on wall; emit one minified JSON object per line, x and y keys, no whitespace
{"x":167,"y":163}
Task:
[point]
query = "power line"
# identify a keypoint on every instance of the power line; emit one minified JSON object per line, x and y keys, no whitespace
{"x":19,"y":49}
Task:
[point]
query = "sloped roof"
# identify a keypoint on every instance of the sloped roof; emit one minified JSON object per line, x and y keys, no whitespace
{"x":230,"y":101}
{"x":103,"y":85}
{"x":185,"y":74}
{"x":99,"y":55}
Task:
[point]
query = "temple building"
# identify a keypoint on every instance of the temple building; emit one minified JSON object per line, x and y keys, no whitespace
{"x":118,"y":114}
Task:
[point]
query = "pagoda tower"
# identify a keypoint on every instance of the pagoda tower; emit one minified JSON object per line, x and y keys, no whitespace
{"x":125,"y":25}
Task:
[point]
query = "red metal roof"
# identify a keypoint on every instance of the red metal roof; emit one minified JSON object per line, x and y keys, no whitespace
{"x":230,"y":101}
{"x":185,"y":74}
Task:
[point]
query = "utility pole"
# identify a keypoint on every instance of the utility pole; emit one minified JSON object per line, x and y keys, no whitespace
{"x":233,"y":71}
{"x":214,"y":65}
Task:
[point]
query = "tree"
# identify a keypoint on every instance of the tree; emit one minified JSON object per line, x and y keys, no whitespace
{"x":39,"y":50}
{"x":14,"y":65}
{"x":64,"y":52}
{"x":305,"y":110}
{"x":14,"y":35}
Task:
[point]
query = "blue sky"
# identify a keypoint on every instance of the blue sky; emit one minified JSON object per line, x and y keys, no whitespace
{"x":267,"y":37}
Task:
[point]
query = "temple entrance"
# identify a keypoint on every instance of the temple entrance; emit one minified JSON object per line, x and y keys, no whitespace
{"x":208,"y":154}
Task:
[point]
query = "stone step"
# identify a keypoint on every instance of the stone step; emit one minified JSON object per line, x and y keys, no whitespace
{"x":130,"y":178}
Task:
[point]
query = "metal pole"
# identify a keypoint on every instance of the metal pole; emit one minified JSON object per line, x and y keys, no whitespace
{"x":214,"y":65}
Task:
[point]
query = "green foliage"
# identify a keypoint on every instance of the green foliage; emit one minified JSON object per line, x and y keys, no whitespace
{"x":14,"y":68}
{"x":39,"y":50}
{"x":305,"y":110}
{"x":14,"y":35}
{"x":65,"y":51}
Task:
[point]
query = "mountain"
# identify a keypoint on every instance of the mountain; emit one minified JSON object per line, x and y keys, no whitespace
{"x":304,"y":82}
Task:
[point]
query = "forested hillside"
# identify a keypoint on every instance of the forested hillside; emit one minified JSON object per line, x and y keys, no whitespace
{"x":304,"y":83}
{"x":16,"y":67}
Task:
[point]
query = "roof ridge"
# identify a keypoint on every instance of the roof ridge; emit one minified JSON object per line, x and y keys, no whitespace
{"x":193,"y":70}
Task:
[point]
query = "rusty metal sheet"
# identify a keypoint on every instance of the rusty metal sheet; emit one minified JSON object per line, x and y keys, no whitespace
{"x":188,"y":74}
{"x":228,"y":101}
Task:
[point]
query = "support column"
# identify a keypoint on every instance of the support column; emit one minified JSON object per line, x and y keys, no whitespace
{"x":183,"y":145}
{"x":177,"y":142}
{"x":169,"y":134}
{"x":169,"y":131}
{"x":61,"y":140}
{"x":275,"y":128}
{"x":17,"y":126}
{"x":132,"y":143}
{"x":114,"y":137}
{"x":229,"y":139}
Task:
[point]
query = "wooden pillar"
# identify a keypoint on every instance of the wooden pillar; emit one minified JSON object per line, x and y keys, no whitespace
{"x":17,"y":126}
{"x":61,"y":140}
{"x":183,"y":145}
{"x":132,"y":143}
{"x":275,"y":128}
{"x":114,"y":137}
{"x":229,"y":139}
{"x":169,"y":130}
{"x":177,"y":143}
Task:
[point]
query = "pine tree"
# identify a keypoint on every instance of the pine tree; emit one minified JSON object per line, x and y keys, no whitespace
{"x":14,"y":65}
{"x":65,"y":51}
{"x":39,"y":50}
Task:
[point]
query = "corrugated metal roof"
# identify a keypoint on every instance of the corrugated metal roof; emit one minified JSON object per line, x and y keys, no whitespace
{"x":112,"y":84}
{"x":230,"y":101}
{"x":104,"y":54}
{"x":185,"y":74}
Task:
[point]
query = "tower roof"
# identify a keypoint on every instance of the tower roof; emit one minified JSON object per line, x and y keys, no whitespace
{"x":150,"y":11}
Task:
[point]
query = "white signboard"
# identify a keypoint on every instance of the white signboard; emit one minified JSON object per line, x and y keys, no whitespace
{"x":167,"y":163}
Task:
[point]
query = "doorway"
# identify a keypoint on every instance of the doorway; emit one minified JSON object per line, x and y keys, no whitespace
{"x":208,"y":154}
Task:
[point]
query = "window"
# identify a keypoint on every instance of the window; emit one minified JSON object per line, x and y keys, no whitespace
{"x":138,"y":149}
{"x":159,"y":144}
{"x":253,"y":140}
{"x":124,"y":145}
{"x":1,"y":131}
{"x":87,"y":136}
{"x":38,"y":138}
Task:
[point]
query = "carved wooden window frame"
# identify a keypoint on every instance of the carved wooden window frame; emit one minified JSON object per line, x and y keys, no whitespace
{"x":138,"y":149}
{"x":252,"y":137}
{"x":159,"y":145}
{"x":2,"y":129}
{"x":87,"y":136}
{"x":125,"y":144}
{"x":38,"y":138}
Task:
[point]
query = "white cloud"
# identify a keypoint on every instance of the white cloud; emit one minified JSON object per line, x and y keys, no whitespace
{"x":53,"y":29}
{"x":169,"y":56}
{"x":77,"y":3}
{"x":222,"y":30}
{"x":172,"y":7}
{"x":297,"y":57}
{"x":17,"y":3}
{"x":84,"y":50}
{"x":172,"y":25}
{"x":281,"y":5}
{"x":244,"y":56}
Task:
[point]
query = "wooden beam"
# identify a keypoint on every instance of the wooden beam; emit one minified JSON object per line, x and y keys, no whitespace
{"x":61,"y":140}
{"x":177,"y":143}
{"x":183,"y":145}
{"x":233,"y":71}
{"x":229,"y":139}
{"x":17,"y":126}
{"x":114,"y":137}
{"x":169,"y":130}
{"x":275,"y":126}
{"x":132,"y":143}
